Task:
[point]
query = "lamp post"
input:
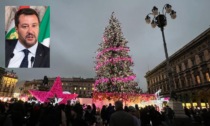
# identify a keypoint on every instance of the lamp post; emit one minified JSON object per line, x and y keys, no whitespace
{"x":161,"y":21}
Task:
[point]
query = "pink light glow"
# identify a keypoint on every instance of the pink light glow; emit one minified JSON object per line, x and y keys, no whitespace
{"x":112,"y":49}
{"x":123,"y":96}
{"x":113,"y":60}
{"x":56,"y":90}
{"x":167,"y":98}
{"x":115,"y":79}
{"x":104,"y":39}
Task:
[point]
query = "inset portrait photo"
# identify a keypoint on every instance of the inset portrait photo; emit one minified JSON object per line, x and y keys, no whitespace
{"x":27,"y":36}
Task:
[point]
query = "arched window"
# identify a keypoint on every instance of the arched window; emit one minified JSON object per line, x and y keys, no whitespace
{"x":207,"y":76}
{"x":198,"y":80}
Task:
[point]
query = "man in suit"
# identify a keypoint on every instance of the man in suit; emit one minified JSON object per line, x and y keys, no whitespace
{"x":26,"y":52}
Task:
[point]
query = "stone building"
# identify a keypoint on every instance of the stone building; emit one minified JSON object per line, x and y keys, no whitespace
{"x":8,"y":81}
{"x":82,"y":87}
{"x":190,"y":68}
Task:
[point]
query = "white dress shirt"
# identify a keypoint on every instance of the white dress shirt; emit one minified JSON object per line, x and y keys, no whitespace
{"x":16,"y":60}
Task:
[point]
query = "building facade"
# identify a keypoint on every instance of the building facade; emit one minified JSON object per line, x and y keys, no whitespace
{"x":190,"y":68}
{"x":82,"y":87}
{"x":8,"y":83}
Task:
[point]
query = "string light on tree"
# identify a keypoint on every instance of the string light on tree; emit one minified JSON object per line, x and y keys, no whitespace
{"x":113,"y":64}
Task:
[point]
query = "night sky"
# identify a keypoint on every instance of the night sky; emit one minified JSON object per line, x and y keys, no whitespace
{"x":77,"y":28}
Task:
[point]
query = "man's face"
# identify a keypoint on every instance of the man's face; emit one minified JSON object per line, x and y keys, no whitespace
{"x":28,"y":30}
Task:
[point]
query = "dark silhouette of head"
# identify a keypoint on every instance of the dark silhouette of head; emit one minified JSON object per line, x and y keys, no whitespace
{"x":45,"y":80}
{"x":118,"y":105}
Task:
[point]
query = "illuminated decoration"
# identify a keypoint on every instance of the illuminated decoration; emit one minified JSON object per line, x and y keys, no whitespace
{"x":157,"y":94}
{"x":113,"y":61}
{"x":55,"y":100}
{"x":129,"y":97}
{"x":112,"y":49}
{"x":55,"y":92}
{"x":5,"y":99}
{"x":159,"y":100}
{"x":16,"y":95}
{"x":23,"y":98}
{"x":32,"y":100}
{"x":115,"y":79}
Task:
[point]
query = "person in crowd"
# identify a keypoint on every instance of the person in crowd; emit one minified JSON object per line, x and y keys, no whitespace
{"x":93,"y":109}
{"x":145,"y":116}
{"x":126,"y":108}
{"x":104,"y":115}
{"x":77,"y":116}
{"x":3,"y":114}
{"x":187,"y":112}
{"x":62,"y":115}
{"x":49,"y":116}
{"x":34,"y":115}
{"x":206,"y":117}
{"x":89,"y":116}
{"x":134,"y":112}
{"x":169,"y":115}
{"x":110,"y":110}
{"x":120,"y":117}
{"x":155,"y":117}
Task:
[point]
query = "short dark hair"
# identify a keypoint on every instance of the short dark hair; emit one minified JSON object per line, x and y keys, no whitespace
{"x":25,"y":11}
{"x":118,"y":105}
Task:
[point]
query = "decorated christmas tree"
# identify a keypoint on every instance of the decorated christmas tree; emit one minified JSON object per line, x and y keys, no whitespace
{"x":114,"y":76}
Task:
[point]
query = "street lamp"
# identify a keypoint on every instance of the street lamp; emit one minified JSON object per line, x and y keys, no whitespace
{"x":161,"y":21}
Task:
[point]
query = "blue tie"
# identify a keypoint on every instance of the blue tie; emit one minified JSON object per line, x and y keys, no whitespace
{"x":24,"y":63}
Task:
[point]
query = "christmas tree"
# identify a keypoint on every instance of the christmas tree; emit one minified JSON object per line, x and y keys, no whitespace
{"x":113,"y":63}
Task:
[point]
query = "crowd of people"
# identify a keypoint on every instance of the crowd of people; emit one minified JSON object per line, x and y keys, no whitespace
{"x":197,"y":115}
{"x":32,"y":114}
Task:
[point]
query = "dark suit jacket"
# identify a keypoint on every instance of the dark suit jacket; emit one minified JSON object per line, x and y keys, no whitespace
{"x":42,"y":57}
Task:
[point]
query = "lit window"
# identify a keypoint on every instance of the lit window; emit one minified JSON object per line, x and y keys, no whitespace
{"x":198,"y":79}
{"x":207,"y":77}
{"x":75,"y":88}
{"x":84,"y":88}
